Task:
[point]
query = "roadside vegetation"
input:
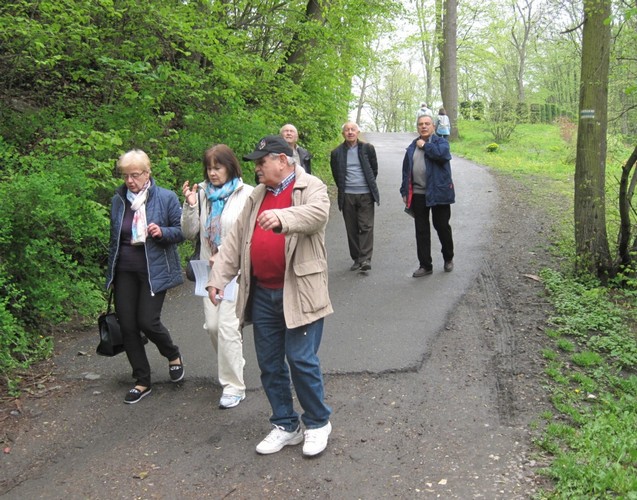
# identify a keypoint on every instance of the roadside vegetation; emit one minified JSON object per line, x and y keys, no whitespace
{"x":81,"y":82}
{"x":590,"y":437}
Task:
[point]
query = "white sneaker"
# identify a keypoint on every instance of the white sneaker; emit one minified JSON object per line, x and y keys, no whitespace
{"x":230,"y":401}
{"x":277,"y":439}
{"x":316,"y":440}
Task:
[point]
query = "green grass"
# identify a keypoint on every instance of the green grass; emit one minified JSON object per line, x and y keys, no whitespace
{"x":590,"y":438}
{"x":532,"y":150}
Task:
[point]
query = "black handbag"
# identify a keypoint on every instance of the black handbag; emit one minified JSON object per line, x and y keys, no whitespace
{"x":190,"y":273}
{"x":111,"y":341}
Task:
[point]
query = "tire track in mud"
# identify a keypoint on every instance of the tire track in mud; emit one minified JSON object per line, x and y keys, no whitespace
{"x":503,"y":343}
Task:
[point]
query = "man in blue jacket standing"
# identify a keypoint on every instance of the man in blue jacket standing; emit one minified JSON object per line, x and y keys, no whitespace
{"x":426,"y":187}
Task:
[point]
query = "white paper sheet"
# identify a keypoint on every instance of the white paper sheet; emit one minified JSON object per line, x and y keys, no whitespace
{"x":201,"y":270}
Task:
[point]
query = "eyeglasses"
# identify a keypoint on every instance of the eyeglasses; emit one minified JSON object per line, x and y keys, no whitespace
{"x":134,"y":175}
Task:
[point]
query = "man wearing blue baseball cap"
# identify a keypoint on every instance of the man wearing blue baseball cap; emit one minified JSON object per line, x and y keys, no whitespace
{"x":278,"y":244}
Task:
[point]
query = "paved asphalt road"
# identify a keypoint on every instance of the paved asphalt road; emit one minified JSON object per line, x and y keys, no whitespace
{"x":381,"y":317}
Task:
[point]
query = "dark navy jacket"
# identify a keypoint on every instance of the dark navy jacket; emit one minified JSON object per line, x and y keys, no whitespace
{"x":162,"y":208}
{"x":440,"y":189}
{"x":306,"y":159}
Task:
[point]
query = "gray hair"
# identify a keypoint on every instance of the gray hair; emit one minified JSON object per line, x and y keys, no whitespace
{"x":291,"y":160}
{"x":347,"y":123}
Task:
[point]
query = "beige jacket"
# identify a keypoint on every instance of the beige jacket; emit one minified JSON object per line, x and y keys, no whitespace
{"x":305,"y":293}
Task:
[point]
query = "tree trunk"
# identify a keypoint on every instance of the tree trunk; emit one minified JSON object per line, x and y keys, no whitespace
{"x":449,"y":67}
{"x":295,"y":57}
{"x":427,"y":51}
{"x":626,"y":192}
{"x":591,"y":242}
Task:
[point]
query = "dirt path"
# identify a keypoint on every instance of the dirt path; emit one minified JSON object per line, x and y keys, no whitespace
{"x":456,"y":426}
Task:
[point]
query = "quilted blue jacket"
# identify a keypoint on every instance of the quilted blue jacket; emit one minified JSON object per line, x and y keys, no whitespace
{"x":162,"y":208}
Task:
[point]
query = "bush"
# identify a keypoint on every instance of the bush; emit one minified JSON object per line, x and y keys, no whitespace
{"x":465,"y":110}
{"x":522,"y":111}
{"x":478,"y":110}
{"x":493,"y":148}
{"x":52,"y":236}
{"x":502,"y":120}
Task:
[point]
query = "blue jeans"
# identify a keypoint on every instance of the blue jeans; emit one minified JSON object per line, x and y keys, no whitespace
{"x":274,"y":343}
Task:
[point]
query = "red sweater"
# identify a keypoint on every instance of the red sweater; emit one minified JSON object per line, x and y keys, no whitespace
{"x":268,"y":248}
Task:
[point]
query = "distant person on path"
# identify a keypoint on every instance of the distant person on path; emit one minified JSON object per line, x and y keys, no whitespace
{"x":278,"y":244}
{"x":209,"y":212}
{"x":355,"y":168}
{"x":442,"y":123}
{"x":301,"y":155}
{"x":427,"y":186}
{"x":423,"y":111}
{"x":143,"y":264}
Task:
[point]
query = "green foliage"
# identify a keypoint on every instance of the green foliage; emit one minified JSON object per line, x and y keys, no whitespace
{"x":587,"y":359}
{"x":493,"y":147}
{"x":597,"y":458}
{"x":590,"y":439}
{"x":465,"y":110}
{"x":584,"y":310}
{"x":81,"y":82}
{"x":502,"y":120}
{"x":596,"y":455}
{"x":477,"y":110}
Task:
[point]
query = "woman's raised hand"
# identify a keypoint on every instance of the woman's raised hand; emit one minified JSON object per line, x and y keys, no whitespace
{"x":190,"y":194}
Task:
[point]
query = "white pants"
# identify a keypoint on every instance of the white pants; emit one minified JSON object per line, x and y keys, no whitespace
{"x":223,"y":326}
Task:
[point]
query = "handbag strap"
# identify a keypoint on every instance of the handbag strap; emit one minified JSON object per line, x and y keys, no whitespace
{"x":110,"y":300}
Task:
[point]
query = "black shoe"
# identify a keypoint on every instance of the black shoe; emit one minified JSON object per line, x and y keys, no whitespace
{"x":355,"y":266}
{"x":366,"y":266}
{"x":176,"y":371}
{"x":421,"y":271}
{"x":449,"y":266}
{"x":135,"y":395}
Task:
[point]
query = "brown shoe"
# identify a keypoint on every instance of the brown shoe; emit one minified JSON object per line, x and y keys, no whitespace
{"x":449,"y":266}
{"x":421,"y":271}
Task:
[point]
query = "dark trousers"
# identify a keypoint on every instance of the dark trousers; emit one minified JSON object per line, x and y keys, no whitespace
{"x":138,"y":310}
{"x":440,"y":216}
{"x":358,"y":214}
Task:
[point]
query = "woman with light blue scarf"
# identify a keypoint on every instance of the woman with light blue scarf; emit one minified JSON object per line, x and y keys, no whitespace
{"x":209,"y":212}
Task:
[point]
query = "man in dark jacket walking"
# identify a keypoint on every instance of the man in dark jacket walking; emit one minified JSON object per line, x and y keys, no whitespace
{"x":426,"y":187}
{"x":355,"y":168}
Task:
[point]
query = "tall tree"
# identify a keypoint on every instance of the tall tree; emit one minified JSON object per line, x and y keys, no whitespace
{"x":448,"y":64}
{"x":525,"y":20}
{"x":591,"y":241}
{"x":425,"y":11}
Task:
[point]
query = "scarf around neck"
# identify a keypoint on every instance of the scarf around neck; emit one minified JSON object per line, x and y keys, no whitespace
{"x":138,"y":205}
{"x":217,"y":197}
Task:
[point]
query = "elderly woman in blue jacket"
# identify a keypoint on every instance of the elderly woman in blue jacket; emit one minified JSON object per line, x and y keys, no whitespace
{"x":143,"y":264}
{"x":426,"y":187}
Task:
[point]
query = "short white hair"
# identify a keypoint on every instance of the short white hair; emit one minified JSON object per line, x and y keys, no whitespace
{"x":134,"y":158}
{"x":350,"y":122}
